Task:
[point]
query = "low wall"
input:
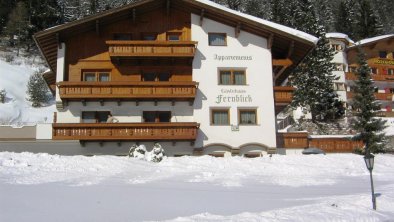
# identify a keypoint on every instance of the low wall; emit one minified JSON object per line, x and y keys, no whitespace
{"x":17,"y":133}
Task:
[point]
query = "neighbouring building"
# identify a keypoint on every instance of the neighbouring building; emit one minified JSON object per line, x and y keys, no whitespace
{"x":193,"y":75}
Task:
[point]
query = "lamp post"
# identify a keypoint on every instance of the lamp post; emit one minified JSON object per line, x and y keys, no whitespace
{"x":369,"y":161}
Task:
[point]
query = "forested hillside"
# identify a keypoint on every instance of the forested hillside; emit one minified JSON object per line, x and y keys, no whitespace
{"x":19,"y":19}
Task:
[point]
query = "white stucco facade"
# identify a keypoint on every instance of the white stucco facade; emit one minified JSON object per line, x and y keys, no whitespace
{"x":255,"y":59}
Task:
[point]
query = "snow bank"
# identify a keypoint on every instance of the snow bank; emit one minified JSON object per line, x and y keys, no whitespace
{"x":293,"y":171}
{"x":187,"y":189}
{"x":17,"y":110}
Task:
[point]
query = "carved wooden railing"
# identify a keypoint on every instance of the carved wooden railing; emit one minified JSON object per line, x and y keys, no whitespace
{"x":386,"y":114}
{"x":283,"y":94}
{"x":128,"y":90}
{"x":300,"y":140}
{"x":335,"y":145}
{"x":292,"y":140}
{"x":378,"y":96}
{"x":151,"y":48}
{"x":125,"y":131}
{"x":376,"y":77}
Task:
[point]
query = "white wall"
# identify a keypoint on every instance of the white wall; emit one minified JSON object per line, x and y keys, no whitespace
{"x":44,"y":131}
{"x":61,"y":53}
{"x":127,"y":112}
{"x":259,"y":85}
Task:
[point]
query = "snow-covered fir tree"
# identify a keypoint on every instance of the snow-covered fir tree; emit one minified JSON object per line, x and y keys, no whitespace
{"x":37,"y":90}
{"x":325,"y":14}
{"x":313,"y":78}
{"x":345,"y":18}
{"x":157,"y":153}
{"x":365,"y":108}
{"x":3,"y":95}
{"x":282,"y":12}
{"x":368,"y":23}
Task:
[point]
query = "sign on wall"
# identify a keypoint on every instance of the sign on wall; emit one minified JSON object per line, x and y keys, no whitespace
{"x":233,"y":96}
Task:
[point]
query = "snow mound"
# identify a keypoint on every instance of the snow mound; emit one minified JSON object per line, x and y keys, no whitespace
{"x":16,"y":109}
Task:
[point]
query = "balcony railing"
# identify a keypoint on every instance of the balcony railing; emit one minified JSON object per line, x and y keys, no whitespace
{"x":127,"y":90}
{"x":386,"y":114}
{"x":283,"y":94}
{"x":125,"y":131}
{"x":375,"y":77}
{"x":378,"y":96}
{"x":151,"y":48}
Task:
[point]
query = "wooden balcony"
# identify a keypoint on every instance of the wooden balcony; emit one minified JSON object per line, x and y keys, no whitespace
{"x":125,"y":131}
{"x":283,"y":94}
{"x":138,"y":91}
{"x":386,"y":114}
{"x":378,"y":96}
{"x":375,"y":77}
{"x":151,"y":48}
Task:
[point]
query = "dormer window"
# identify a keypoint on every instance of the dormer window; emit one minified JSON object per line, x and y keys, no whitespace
{"x":149,"y":36}
{"x":173,"y":36}
{"x":382,"y":54}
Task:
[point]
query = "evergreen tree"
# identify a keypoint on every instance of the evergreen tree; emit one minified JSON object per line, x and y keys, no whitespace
{"x":365,"y":109}
{"x":17,"y":26}
{"x":313,"y":78}
{"x":3,"y":95}
{"x":258,"y":8}
{"x":37,"y":90}
{"x":6,"y":7}
{"x":345,"y":18}
{"x":368,"y":23}
{"x":282,"y":12}
{"x":324,"y":12}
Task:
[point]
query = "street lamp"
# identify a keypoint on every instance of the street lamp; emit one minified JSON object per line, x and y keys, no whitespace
{"x":369,"y":161}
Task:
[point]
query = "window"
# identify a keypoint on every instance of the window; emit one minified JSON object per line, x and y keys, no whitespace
{"x":122,"y":36}
{"x":337,"y":47}
{"x":93,"y":76}
{"x":89,"y":77}
{"x":339,"y":87}
{"x":339,"y":67}
{"x":156,"y":116}
{"x":220,"y":117}
{"x":247,"y":117}
{"x":103,"y":77}
{"x":173,"y":36}
{"x":232,"y":77}
{"x":151,"y":76}
{"x":217,"y":39}
{"x":352,"y":69}
{"x":374,"y":70}
{"x":383,"y":54}
{"x":95,"y":117}
{"x":149,"y":36}
{"x":390,"y":71}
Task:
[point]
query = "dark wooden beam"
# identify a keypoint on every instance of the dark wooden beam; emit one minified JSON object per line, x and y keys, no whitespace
{"x":270,"y":41}
{"x":168,"y":6}
{"x":290,"y":50}
{"x":238,"y":30}
{"x":98,"y":27}
{"x":134,"y":15}
{"x":202,"y":16}
{"x":58,"y":42}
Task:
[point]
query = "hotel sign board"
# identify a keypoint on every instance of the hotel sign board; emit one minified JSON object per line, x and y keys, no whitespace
{"x":384,"y":62}
{"x":232,"y":57}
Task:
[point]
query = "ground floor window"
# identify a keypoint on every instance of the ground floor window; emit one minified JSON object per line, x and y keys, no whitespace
{"x":95,"y":117}
{"x":156,"y":116}
{"x":247,"y":117}
{"x":220,"y":117}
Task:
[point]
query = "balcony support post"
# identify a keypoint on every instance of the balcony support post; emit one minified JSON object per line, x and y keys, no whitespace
{"x":119,"y":102}
{"x":202,"y":16}
{"x":84,"y":102}
{"x":101,"y":102}
{"x":137,"y":103}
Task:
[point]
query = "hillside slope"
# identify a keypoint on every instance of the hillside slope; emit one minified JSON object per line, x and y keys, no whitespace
{"x":17,"y":110}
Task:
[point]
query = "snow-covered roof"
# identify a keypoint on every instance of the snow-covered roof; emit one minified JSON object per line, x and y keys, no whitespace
{"x":373,"y":39}
{"x":337,"y":35}
{"x":273,"y":25}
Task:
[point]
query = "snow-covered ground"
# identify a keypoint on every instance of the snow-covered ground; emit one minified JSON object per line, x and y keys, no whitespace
{"x":42,"y":187}
{"x":17,"y":110}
